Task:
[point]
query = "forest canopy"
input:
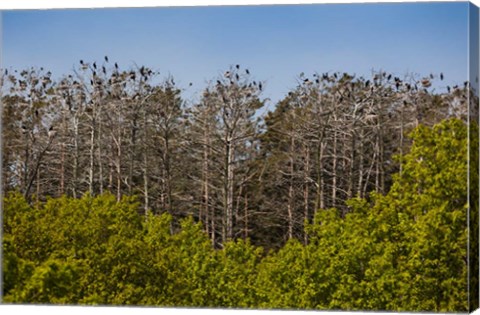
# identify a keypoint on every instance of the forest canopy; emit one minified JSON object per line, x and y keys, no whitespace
{"x":350,"y":194}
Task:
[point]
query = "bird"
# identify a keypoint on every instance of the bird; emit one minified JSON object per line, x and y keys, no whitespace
{"x":94,"y":65}
{"x":441,"y":76}
{"x":367,"y":83}
{"x":237,"y":66}
{"x":448,"y":89}
{"x":51,"y":132}
{"x":104,"y":70}
{"x":190,"y":84}
{"x":237,"y":76}
{"x":142,"y":70}
{"x":116,"y":65}
{"x":389,"y":77}
{"x":227,"y":74}
{"x":260,"y":86}
{"x":81,"y":62}
{"x":247,"y":72}
{"x":106,"y":58}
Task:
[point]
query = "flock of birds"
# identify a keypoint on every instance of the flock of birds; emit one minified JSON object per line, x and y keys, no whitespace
{"x":232,"y":76}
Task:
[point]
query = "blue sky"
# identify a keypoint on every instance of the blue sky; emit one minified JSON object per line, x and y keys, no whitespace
{"x":276,"y":43}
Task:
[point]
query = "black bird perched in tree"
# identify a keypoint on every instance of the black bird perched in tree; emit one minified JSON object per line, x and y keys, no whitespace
{"x":306,"y":80}
{"x":367,"y":83}
{"x":431,"y":76}
{"x":91,"y":82}
{"x":81,"y":62}
{"x":106,"y":58}
{"x":6,"y":72}
{"x":142,"y":70}
{"x":36,"y":113}
{"x":441,"y":76}
{"x":94,"y":65}
{"x":397,"y":85}
{"x":116,"y":65}
{"x":104,"y":70}
{"x":260,"y":86}
{"x":317,"y":81}
{"x":190,"y":84}
{"x":219,"y":83}
{"x":389,"y":77}
{"x":248,"y":72}
{"x":448,"y":89}
{"x":335,"y":75}
{"x":237,"y":76}
{"x":237,"y":66}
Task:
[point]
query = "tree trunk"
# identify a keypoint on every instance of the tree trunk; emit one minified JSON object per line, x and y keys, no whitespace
{"x":306,"y":197}
{"x":91,"y":155}
{"x":290,"y":203}
{"x":229,"y":187}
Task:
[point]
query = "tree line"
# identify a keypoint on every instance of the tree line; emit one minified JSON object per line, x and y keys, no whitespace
{"x":102,"y":129}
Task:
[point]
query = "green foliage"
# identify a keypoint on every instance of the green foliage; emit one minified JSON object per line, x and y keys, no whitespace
{"x":403,"y":251}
